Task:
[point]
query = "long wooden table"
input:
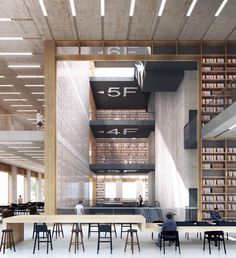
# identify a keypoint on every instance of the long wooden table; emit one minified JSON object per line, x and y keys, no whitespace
{"x":17,"y":222}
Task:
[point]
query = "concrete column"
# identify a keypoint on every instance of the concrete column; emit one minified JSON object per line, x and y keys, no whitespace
{"x":39,"y":188}
{"x":13,"y":185}
{"x":139,"y":184}
{"x":28,"y":186}
{"x":119,"y":188}
{"x":151,"y":187}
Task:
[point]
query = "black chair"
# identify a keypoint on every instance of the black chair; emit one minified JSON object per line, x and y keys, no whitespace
{"x":214,"y":236}
{"x":103,"y":230}
{"x":76,"y":238}
{"x":131,"y":241}
{"x":58,"y":230}
{"x":124,"y":228}
{"x":92,"y":228}
{"x":7,"y":240}
{"x":170,"y":236}
{"x":45,"y":238}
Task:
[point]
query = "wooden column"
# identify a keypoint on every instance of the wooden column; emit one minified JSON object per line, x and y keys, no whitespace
{"x":50,"y":136}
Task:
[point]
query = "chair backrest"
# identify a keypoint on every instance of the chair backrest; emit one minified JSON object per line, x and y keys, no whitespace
{"x":214,"y":233}
{"x":170,"y":235}
{"x":7,"y":213}
{"x":41,"y":228}
{"x":104,"y":228}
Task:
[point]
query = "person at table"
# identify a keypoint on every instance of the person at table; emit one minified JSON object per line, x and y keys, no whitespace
{"x":168,"y":225}
{"x":215,"y":215}
{"x":79,"y":208}
{"x":20,"y":200}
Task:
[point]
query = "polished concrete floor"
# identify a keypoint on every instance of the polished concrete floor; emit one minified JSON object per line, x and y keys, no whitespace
{"x":189,"y":248}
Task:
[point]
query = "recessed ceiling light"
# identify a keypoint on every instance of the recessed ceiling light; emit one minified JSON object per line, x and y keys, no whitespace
{"x":132,"y":5}
{"x":5,"y":19}
{"x":24,"y":66}
{"x":221,"y":8}
{"x":19,"y":105}
{"x":14,"y":99}
{"x":232,"y":127}
{"x":31,"y":151}
{"x":34,"y":85}
{"x":2,"y":151}
{"x":2,"y":76}
{"x":6,"y":85}
{"x":72,"y":7}
{"x":10,"y":93}
{"x":31,"y":119}
{"x":42,"y":5}
{"x":191,"y":7}
{"x":15,"y":54}
{"x":102,"y":7}
{"x":163,"y":2}
{"x":11,"y":38}
{"x":40,"y":99}
{"x":6,"y":154}
{"x":16,"y":143}
{"x":26,"y":110}
{"x":34,"y":154}
{"x":37,"y":93}
{"x":30,"y":76}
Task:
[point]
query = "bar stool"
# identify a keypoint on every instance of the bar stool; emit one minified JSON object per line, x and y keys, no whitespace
{"x":103,"y":238}
{"x":131,"y":242}
{"x":77,"y":234}
{"x":7,"y":240}
{"x":58,"y":230}
{"x":41,"y":239}
{"x":92,"y":227}
{"x":125,"y":226}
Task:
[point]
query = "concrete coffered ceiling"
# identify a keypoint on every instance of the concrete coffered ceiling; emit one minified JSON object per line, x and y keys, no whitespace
{"x":28,"y":21}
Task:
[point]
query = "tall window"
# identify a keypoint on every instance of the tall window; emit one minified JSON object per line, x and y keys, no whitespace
{"x":110,"y":189}
{"x":20,"y":186}
{"x":4,"y":188}
{"x":33,"y":185}
{"x":129,"y":190}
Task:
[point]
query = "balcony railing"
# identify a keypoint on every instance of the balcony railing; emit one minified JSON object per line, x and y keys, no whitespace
{"x":221,"y":100}
{"x":122,"y":115}
{"x":18,"y":122}
{"x":122,"y":159}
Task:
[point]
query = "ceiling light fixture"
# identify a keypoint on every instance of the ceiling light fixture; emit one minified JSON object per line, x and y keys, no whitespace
{"x":40,"y":99}
{"x":11,"y":38}
{"x":221,"y":8}
{"x":21,"y":105}
{"x":191,"y":7}
{"x":10,"y":93}
{"x":5,"y":19}
{"x":25,"y":147}
{"x":24,"y":66}
{"x":131,"y":10}
{"x":16,"y":143}
{"x":232,"y":127}
{"x":43,"y":8}
{"x":161,"y":7}
{"x":2,"y":76}
{"x":102,"y":7}
{"x":14,"y":99}
{"x":37,"y":93}
{"x":31,"y":151}
{"x":30,"y":76}
{"x":34,"y":85}
{"x":72,"y":7}
{"x":16,"y":53}
{"x":6,"y":85}
{"x":26,"y":110}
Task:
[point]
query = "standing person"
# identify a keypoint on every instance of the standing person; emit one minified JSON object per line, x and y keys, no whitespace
{"x":140,"y":199}
{"x":215,"y":215}
{"x":169,"y":225}
{"x":20,"y":200}
{"x":39,"y":119}
{"x":79,"y":208}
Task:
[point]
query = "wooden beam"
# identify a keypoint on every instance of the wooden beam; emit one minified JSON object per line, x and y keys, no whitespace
{"x":50,"y":127}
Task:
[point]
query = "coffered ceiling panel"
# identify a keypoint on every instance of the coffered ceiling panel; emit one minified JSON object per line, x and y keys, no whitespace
{"x":88,"y":19}
{"x":145,"y":14}
{"x":116,"y":19}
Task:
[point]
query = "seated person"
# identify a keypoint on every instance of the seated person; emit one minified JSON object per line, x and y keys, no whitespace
{"x":215,"y":215}
{"x":168,"y":225}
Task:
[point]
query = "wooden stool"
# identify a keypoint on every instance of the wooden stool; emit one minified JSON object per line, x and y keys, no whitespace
{"x":77,"y":235}
{"x":131,"y":242}
{"x":7,"y":240}
{"x":58,"y":230}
